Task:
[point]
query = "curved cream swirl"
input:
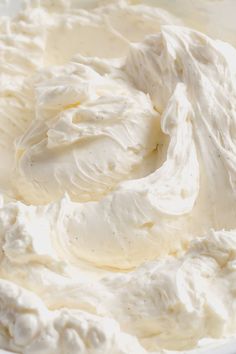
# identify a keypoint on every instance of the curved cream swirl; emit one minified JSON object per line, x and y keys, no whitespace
{"x":90,"y":132}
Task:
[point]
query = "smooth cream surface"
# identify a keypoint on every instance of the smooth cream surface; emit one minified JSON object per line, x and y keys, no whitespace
{"x":118,"y":181}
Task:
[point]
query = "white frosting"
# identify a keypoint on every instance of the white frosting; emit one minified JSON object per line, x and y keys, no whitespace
{"x":117,"y":223}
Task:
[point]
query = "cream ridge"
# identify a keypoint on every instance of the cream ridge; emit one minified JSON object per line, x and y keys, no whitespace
{"x":118,"y":181}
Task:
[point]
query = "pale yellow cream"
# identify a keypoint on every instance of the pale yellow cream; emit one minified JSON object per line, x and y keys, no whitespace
{"x":118,"y":218}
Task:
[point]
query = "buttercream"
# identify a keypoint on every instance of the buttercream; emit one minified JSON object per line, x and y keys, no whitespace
{"x":117,"y":211}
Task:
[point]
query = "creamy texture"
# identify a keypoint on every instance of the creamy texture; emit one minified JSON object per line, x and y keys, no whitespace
{"x":117,"y":219}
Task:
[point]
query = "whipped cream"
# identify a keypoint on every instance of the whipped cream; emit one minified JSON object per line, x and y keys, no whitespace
{"x":117,"y":211}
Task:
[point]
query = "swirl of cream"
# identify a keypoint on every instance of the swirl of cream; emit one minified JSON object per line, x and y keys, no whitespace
{"x":91,"y":131}
{"x":90,"y":143}
{"x":135,"y":221}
